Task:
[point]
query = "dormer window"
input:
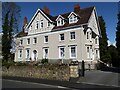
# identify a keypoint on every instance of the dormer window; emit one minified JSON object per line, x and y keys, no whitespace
{"x":60,"y":20}
{"x":73,"y":18}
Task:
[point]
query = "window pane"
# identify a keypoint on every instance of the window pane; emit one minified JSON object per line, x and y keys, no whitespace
{"x":62,"y":52}
{"x":72,"y":35}
{"x":73,"y":52}
{"x":61,"y":36}
{"x":46,"y":38}
{"x":35,"y":40}
{"x":28,"y":41}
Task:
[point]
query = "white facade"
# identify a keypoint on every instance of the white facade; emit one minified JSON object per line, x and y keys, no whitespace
{"x":78,"y":42}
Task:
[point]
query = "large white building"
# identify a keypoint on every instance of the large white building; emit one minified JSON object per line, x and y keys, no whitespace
{"x":74,"y":35}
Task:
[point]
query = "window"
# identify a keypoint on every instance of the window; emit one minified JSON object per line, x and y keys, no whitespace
{"x":20,"y":53}
{"x":73,"y":52}
{"x":61,"y":37}
{"x":28,"y":41}
{"x":36,"y":27}
{"x":46,"y":39}
{"x":73,"y":19}
{"x":48,"y":24}
{"x":27,"y":53}
{"x":95,"y":40}
{"x":41,"y":24}
{"x":72,"y":35}
{"x":90,"y":36}
{"x":61,"y":52}
{"x":34,"y":40}
{"x":30,"y":27}
{"x":87,"y":35}
{"x":88,"y":53}
{"x":45,"y":52}
{"x":60,"y":22}
{"x":21,"y":42}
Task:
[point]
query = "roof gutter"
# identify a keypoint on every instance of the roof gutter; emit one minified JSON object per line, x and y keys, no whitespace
{"x":70,"y":27}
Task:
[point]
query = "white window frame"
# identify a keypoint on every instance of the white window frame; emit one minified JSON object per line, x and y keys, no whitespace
{"x":71,"y":51}
{"x":30,"y":27}
{"x":60,"y":38}
{"x":27,"y":54}
{"x":34,"y":40}
{"x":37,"y":25}
{"x":72,"y":36}
{"x":73,"y":19}
{"x":88,"y":52}
{"x":44,"y":53}
{"x":45,"y":39}
{"x":28,"y":40}
{"x":60,"y":55}
{"x":20,"y":53}
{"x":61,"y":22}
{"x":41,"y":23}
{"x":21,"y":41}
{"x":48,"y":24}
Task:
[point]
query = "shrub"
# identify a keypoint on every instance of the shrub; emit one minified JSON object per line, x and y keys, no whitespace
{"x":44,"y":61}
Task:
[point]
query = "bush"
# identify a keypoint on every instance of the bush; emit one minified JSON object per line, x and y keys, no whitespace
{"x":7,"y":64}
{"x":44,"y":61}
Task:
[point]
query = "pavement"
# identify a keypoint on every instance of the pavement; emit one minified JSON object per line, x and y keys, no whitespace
{"x":98,"y":77}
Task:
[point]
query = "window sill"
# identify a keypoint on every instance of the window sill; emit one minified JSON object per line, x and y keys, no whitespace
{"x":61,"y":41}
{"x":72,"y":39}
{"x":45,"y":42}
{"x":34,"y":43}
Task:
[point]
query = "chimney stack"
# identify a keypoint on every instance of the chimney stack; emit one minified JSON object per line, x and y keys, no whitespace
{"x":77,"y":8}
{"x":46,"y":10}
{"x":25,"y":21}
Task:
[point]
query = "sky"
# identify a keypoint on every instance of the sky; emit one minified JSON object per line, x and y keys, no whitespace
{"x":108,"y":10}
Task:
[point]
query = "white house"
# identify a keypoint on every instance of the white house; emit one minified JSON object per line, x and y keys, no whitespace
{"x":74,"y":35}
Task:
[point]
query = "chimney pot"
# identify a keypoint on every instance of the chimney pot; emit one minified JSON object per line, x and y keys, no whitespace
{"x":77,"y":8}
{"x":46,"y":10}
{"x":25,"y":21}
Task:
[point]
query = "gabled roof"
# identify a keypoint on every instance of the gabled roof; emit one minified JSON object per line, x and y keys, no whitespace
{"x":84,"y":18}
{"x":49,"y":17}
{"x":21,"y":34}
{"x":72,"y":13}
{"x":84,"y":15}
{"x":59,"y":17}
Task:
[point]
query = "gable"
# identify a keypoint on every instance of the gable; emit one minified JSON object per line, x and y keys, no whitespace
{"x":37,"y":12}
{"x":93,"y":23}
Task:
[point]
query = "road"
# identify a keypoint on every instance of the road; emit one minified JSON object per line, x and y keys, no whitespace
{"x":100,"y":78}
{"x":17,"y":82}
{"x":22,"y":84}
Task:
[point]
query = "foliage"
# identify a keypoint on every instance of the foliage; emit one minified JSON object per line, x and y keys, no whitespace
{"x":118,"y":40}
{"x":118,"y":36}
{"x":5,"y":39}
{"x":10,"y":16}
{"x":44,"y":61}
{"x":114,"y":55}
{"x":104,"y":54}
{"x":14,"y":10}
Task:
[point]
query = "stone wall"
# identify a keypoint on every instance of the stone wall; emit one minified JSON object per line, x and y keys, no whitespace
{"x":53,"y":72}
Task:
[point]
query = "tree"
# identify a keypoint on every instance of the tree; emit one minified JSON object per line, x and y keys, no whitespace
{"x":14,"y":9}
{"x":118,"y":37}
{"x":104,"y":54}
{"x":114,"y":55}
{"x":10,"y":22}
{"x":5,"y":38}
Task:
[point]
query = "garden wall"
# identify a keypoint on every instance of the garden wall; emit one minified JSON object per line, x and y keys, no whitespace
{"x":47,"y":71}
